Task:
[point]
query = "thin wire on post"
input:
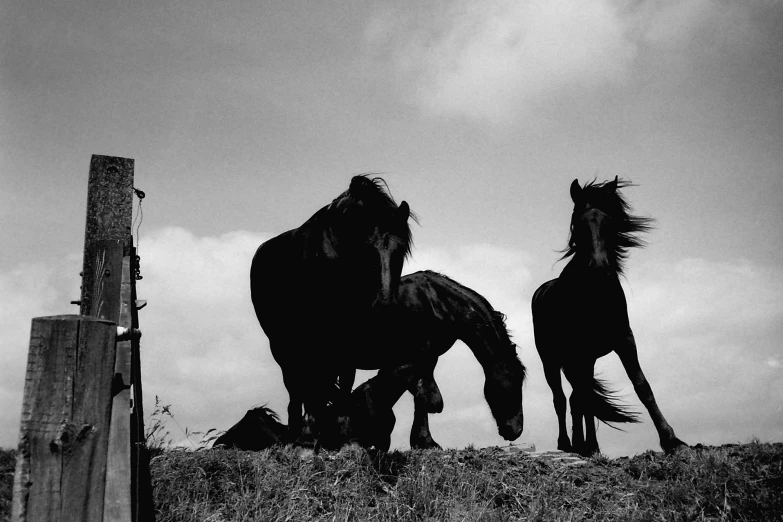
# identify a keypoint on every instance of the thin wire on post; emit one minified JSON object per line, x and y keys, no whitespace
{"x":137,"y":223}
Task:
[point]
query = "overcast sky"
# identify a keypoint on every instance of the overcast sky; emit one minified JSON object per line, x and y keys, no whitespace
{"x":244,"y":118}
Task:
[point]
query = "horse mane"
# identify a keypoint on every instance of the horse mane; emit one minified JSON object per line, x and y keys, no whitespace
{"x":497,"y":320}
{"x":627,"y":226}
{"x":267,"y":411}
{"x":374,"y":193}
{"x":499,"y":323}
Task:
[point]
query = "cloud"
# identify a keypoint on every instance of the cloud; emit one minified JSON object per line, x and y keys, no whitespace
{"x":28,"y":290}
{"x":203,"y":350}
{"x":707,"y":334}
{"x":498,"y":60}
{"x":481,"y":58}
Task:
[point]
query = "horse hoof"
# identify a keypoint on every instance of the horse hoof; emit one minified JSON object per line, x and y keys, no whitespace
{"x":565,"y":446}
{"x":426,"y":444}
{"x":675,"y":447}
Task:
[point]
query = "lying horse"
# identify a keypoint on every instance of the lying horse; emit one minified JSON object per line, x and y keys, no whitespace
{"x":367,"y":418}
{"x":259,"y":429}
{"x":437,"y":311}
{"x":582,"y":315}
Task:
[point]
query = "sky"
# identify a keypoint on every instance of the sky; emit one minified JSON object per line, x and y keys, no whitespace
{"x":244,"y":118}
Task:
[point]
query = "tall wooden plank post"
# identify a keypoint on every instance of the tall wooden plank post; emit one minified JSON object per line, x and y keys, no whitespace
{"x":82,"y":454}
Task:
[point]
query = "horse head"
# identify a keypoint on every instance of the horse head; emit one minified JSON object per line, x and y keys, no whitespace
{"x":371,"y":232}
{"x":503,"y":392}
{"x":601,"y":227}
{"x":591,"y":226}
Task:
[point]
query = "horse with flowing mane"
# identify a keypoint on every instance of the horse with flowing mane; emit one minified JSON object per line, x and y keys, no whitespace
{"x":582,"y":316}
{"x":320,"y":290}
{"x":435,"y":311}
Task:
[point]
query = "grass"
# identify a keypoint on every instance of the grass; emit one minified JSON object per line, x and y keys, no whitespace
{"x":733,"y":482}
{"x":730,"y":482}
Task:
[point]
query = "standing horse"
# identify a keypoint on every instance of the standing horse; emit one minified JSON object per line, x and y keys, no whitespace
{"x":320,"y":288}
{"x":436,"y":311}
{"x":582,"y":316}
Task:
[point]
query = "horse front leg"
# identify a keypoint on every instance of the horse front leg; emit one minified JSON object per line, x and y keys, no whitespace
{"x":421,"y":437}
{"x":590,"y":446}
{"x":626,"y":350}
{"x":426,"y":393}
{"x":552,"y":374}
{"x":577,"y":427}
{"x":294,"y":410}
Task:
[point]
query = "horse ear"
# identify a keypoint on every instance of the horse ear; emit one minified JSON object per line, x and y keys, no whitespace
{"x":613,"y":184}
{"x":576,"y":191}
{"x":357,"y":182}
{"x":404,"y":211}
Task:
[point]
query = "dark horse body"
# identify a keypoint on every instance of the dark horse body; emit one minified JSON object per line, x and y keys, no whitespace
{"x":436,"y":311}
{"x":319,"y":291}
{"x":582,"y":316}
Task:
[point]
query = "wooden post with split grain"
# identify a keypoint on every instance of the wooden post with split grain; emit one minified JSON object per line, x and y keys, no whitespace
{"x":81,"y":441}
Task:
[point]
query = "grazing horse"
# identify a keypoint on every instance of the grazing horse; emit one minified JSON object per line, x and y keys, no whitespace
{"x":582,"y":316}
{"x":436,"y":311}
{"x":320,"y":289}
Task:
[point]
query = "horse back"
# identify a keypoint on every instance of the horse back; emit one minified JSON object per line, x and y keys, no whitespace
{"x":440,"y":300}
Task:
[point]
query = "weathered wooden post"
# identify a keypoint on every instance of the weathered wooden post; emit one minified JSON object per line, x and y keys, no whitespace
{"x":61,"y":464}
{"x":108,"y":296}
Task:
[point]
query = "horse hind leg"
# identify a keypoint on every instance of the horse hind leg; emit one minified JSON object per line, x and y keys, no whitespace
{"x":591,"y":440}
{"x":577,"y":427}
{"x":584,"y":440}
{"x":630,"y":359}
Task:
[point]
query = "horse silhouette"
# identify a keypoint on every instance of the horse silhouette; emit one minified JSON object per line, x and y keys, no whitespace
{"x":320,"y":291}
{"x":259,"y":429}
{"x":582,"y":316}
{"x":368,"y":418}
{"x":434,"y":312}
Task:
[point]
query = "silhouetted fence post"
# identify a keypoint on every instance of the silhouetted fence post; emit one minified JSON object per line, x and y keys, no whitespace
{"x":116,"y":452}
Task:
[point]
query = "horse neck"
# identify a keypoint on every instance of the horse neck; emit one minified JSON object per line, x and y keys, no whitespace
{"x":579,"y":267}
{"x":475,"y":323}
{"x":488,"y":345}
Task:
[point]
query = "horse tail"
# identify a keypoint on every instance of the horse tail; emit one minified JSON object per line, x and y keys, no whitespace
{"x":599,"y":400}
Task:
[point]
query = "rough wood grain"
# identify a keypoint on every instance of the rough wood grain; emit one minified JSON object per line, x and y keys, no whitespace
{"x":61,"y":464}
{"x":119,"y":477}
{"x":109,"y":216}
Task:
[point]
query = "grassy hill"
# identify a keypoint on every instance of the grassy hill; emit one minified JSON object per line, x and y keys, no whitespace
{"x":732,"y":482}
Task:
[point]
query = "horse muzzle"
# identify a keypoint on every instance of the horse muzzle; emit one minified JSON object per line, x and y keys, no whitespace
{"x":511,"y":429}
